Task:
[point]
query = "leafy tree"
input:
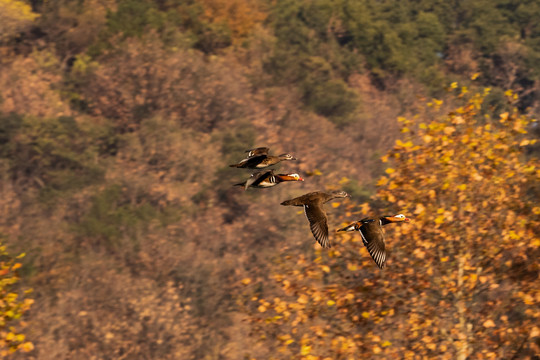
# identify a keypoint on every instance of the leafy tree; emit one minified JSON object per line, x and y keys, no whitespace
{"x":15,"y":16}
{"x":13,"y":304}
{"x":461,"y":278}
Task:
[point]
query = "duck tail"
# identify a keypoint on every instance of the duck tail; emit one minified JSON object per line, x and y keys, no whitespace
{"x":240,"y":184}
{"x":347,"y":228}
{"x":235,"y":165}
{"x":287,"y":203}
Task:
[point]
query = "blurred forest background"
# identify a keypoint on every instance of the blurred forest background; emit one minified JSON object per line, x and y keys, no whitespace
{"x":118,"y":119}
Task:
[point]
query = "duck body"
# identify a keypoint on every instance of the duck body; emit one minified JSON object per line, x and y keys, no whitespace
{"x":313,"y":208}
{"x":258,"y":158}
{"x":266,"y":179}
{"x":372,"y":234}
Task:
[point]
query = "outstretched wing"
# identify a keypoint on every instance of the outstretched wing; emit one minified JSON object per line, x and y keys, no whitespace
{"x":250,"y":162}
{"x":318,"y":223}
{"x":257,"y":151}
{"x":373,"y":239}
{"x":258,"y":177}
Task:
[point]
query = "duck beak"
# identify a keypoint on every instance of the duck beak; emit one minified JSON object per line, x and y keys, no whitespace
{"x":300,"y":179}
{"x":396,"y":219}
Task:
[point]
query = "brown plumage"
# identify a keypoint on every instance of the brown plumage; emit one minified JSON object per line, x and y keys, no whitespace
{"x":267,"y":178}
{"x":258,"y":151}
{"x":373,"y":235}
{"x":313,"y":208}
{"x":258,"y":158}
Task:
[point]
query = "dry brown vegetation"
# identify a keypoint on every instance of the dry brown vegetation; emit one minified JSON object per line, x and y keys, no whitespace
{"x":118,"y":120}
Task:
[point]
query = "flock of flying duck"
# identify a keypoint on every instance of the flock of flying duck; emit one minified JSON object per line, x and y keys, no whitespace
{"x":369,"y":228}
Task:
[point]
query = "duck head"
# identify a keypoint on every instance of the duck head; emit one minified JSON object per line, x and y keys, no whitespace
{"x":395,"y":218}
{"x":286,"y":157}
{"x":339,"y":194}
{"x":290,"y":177}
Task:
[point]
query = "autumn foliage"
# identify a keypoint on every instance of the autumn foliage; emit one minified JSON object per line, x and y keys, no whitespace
{"x":13,"y":304}
{"x":118,"y":119}
{"x":462,"y":277}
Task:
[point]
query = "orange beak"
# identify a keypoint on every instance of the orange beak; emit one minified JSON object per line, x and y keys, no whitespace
{"x":397,"y":219}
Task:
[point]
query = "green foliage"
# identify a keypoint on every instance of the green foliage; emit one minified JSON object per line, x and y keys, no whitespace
{"x":179,"y":24}
{"x":114,"y":216}
{"x":55,"y":154}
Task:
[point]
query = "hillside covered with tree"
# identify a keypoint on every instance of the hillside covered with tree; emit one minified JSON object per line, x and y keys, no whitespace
{"x":119,"y":118}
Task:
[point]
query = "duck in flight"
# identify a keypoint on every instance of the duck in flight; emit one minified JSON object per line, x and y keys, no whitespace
{"x":267,"y":178}
{"x":258,"y":158}
{"x":313,"y":208}
{"x":372,"y":234}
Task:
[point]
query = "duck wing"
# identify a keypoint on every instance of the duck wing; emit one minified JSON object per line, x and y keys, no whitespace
{"x":257,"y":177}
{"x":373,"y":238}
{"x":257,"y":151}
{"x":318,"y":223}
{"x":250,"y":162}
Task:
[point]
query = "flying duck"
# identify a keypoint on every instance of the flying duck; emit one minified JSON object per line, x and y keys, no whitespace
{"x":313,"y":208}
{"x":267,"y":178}
{"x":373,"y":236}
{"x":258,"y":158}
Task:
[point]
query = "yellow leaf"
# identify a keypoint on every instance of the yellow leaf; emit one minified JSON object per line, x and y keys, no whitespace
{"x":16,"y":266}
{"x":325,"y":268}
{"x":352,"y":267}
{"x":382,"y":181}
{"x":427,"y":138}
{"x":475,"y":76}
{"x":444,"y":259}
{"x":386,"y":343}
{"x":489,"y":323}
{"x":420,"y":209}
{"x":305,"y":350}
{"x":449,"y":130}
{"x":335,"y":204}
{"x":27,"y":346}
{"x":246,"y":281}
{"x":261,"y":308}
{"x":330,"y":303}
{"x":390,"y":171}
{"x":365,"y":315}
{"x":462,"y":187}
